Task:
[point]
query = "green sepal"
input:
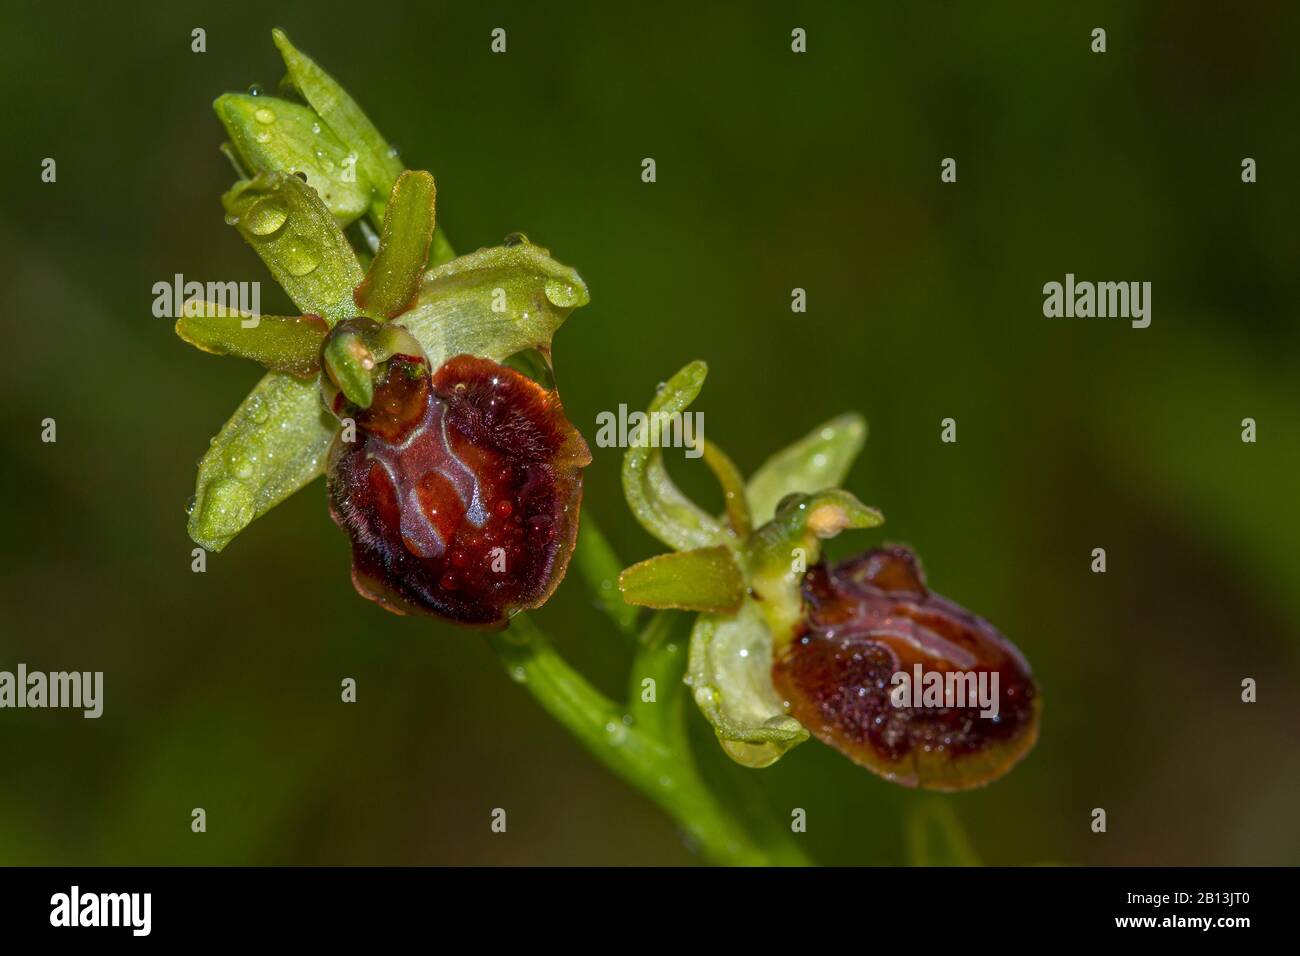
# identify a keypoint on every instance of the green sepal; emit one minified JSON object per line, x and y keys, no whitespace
{"x":393,"y":279}
{"x":730,"y":674}
{"x":286,"y":223}
{"x":821,"y":459}
{"x":376,"y":160}
{"x":289,"y":344}
{"x":656,"y":501}
{"x":273,"y":445}
{"x":705,"y":579}
{"x":269,"y":134}
{"x":456,"y":311}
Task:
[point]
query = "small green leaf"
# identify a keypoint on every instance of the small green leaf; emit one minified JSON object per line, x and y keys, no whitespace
{"x":288,"y":344}
{"x":286,"y":223}
{"x":273,"y":445}
{"x":275,"y":135}
{"x":652,"y":495}
{"x":376,"y":160}
{"x":706,"y":579}
{"x":493,"y":303}
{"x":393,"y":279}
{"x":730,"y":673}
{"x":820,"y":459}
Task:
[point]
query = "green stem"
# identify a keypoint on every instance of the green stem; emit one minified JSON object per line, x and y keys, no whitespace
{"x":648,"y":756}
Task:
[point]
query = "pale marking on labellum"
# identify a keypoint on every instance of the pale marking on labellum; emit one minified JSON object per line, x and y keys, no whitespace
{"x":428,"y":441}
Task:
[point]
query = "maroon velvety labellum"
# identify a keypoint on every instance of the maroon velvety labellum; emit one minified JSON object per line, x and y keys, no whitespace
{"x":871,"y":619}
{"x":461,"y":491}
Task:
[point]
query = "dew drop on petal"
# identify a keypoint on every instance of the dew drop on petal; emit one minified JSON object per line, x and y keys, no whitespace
{"x":562,"y":294}
{"x":265,"y":217}
{"x":299,"y":260}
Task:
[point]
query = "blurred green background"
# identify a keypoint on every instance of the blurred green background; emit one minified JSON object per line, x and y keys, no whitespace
{"x":775,"y":170}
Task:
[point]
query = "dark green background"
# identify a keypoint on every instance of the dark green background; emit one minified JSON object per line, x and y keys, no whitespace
{"x":774,"y":171}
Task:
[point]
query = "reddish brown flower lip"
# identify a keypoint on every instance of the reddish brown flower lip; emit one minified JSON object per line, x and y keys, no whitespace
{"x":871,"y":618}
{"x":461,"y":491}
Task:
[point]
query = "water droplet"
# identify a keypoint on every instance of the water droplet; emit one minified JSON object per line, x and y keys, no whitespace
{"x":255,"y":90}
{"x":617,"y":732}
{"x":564,"y":294}
{"x":514,"y":239}
{"x":189,"y":504}
{"x":394,"y":151}
{"x":264,"y":116}
{"x":263,"y":137}
{"x":239,"y":466}
{"x":518,"y":675}
{"x":315,"y":128}
{"x":299,"y":259}
{"x":265,"y":217}
{"x":229,"y":503}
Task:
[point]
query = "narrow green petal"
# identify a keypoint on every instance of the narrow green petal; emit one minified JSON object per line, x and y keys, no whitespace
{"x":652,"y":495}
{"x":288,"y":344}
{"x":275,"y":135}
{"x":286,"y":223}
{"x":493,"y":303}
{"x":819,"y":460}
{"x":730,"y":673}
{"x":706,"y":579}
{"x":375,"y":158}
{"x":273,"y":445}
{"x":393,"y":279}
{"x":733,"y":487}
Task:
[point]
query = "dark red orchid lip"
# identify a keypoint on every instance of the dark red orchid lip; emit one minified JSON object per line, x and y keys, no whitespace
{"x":461,"y":491}
{"x":871,"y":618}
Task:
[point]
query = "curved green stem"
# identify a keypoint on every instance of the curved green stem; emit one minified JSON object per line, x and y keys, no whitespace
{"x":649,"y":754}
